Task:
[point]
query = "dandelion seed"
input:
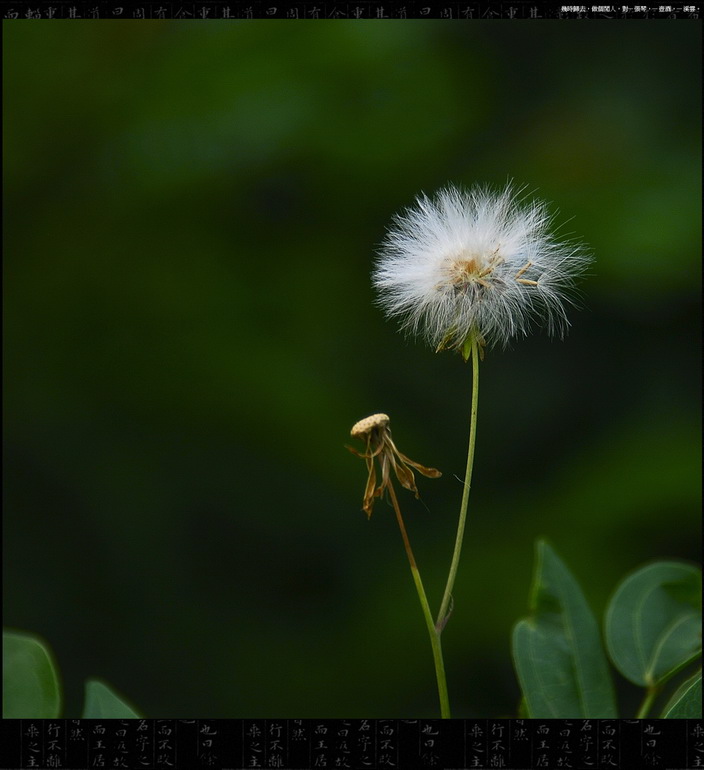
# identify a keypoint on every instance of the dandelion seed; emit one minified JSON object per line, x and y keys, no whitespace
{"x":476,"y":265}
{"x":375,"y":432}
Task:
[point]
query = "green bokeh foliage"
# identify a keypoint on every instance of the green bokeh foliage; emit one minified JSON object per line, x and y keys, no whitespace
{"x":191,"y":213}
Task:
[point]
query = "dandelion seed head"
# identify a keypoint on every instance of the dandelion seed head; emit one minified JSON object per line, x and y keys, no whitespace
{"x":476,"y":262}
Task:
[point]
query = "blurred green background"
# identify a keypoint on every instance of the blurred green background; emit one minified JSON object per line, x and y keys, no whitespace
{"x":191,"y":216}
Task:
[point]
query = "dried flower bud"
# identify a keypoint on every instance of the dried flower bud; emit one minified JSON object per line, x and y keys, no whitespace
{"x":376,"y":433}
{"x":368,"y":424}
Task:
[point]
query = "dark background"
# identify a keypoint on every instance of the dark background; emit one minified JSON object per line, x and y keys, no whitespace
{"x":191,"y":215}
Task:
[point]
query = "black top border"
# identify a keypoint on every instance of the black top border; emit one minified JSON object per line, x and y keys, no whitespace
{"x":360,"y":10}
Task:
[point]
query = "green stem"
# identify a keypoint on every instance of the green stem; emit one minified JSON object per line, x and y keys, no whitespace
{"x":650,"y":695}
{"x":432,"y":631}
{"x":443,"y":613}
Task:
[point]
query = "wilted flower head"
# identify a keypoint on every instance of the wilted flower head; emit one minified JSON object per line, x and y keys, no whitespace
{"x":476,"y":263}
{"x":375,"y":432}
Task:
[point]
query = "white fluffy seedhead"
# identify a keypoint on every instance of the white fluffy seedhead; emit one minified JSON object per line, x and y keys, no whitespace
{"x":478,"y":263}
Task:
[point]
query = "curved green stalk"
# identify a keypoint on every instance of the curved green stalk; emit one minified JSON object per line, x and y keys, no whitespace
{"x":443,"y":614}
{"x":432,"y":631}
{"x":650,"y":695}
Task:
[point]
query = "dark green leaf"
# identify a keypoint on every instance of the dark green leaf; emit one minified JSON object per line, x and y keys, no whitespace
{"x":686,"y":703}
{"x":653,"y":621}
{"x":103,"y":703}
{"x":30,"y":681}
{"x":557,"y":651}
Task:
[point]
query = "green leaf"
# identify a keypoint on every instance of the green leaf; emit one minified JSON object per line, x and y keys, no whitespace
{"x":30,"y":681}
{"x":104,"y":703}
{"x":686,"y":703}
{"x":653,"y":621}
{"x":557,"y":651}
{"x":523,"y":709}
